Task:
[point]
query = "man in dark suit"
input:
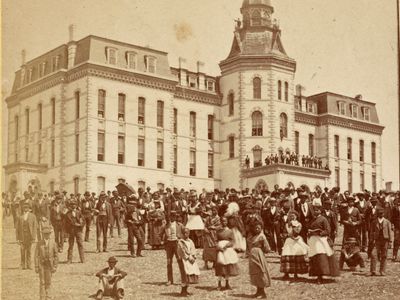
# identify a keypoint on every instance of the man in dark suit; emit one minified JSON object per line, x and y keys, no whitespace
{"x":134,"y":221}
{"x":26,"y":235}
{"x":74,"y":226}
{"x":111,"y":281}
{"x":46,"y":260}
{"x":57,"y":221}
{"x":396,"y":226}
{"x":351,"y":221}
{"x":271,"y":219}
{"x":371,"y":214}
{"x":104,"y":219}
{"x":116,"y":206}
{"x":332,"y":218}
{"x":380,"y":234}
{"x":306,"y":213}
{"x":171,"y":232}
{"x":362,"y":206}
{"x":87,"y":206}
{"x":41,"y":209}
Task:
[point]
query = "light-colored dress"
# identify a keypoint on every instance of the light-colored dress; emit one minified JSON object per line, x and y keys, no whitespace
{"x":226,"y":260}
{"x":186,"y":251}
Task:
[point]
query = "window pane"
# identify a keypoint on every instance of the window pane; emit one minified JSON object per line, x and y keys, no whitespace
{"x":141,"y":110}
{"x":76,"y":147}
{"x":231,"y":103}
{"x":192,"y":124}
{"x":349,"y":148}
{"x":283,"y":126}
{"x":160,"y":155}
{"x":257,"y":124}
{"x":121,"y":107}
{"x":210,"y":165}
{"x":297,"y":142}
{"x":192,"y":168}
{"x":100,"y":146}
{"x":77,"y":105}
{"x":175,"y":121}
{"x":311,"y":145}
{"x":141,"y":152}
{"x":101,"y":103}
{"x":286,"y":91}
{"x":231,"y":147}
{"x":175,"y":160}
{"x":257,"y":88}
{"x":361,"y":150}
{"x":373,"y":153}
{"x":160,"y":114}
{"x":279,"y":90}
{"x":121,"y":149}
{"x":336,"y":146}
{"x":210,"y":127}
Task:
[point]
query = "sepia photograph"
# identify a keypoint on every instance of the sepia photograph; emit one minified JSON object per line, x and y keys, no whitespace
{"x":213,"y":149}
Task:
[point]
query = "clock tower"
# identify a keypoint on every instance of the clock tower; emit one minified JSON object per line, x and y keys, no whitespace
{"x":257,"y":116}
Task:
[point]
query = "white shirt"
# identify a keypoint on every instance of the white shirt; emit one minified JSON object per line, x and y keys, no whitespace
{"x":362,"y":203}
{"x":304,"y":208}
{"x":111,"y":271}
{"x":328,"y":213}
{"x":285,"y":218}
{"x":350,"y":210}
{"x":373,"y":209}
{"x":380,"y":220}
{"x":273,"y":209}
{"x":25,"y":216}
{"x":73,"y":213}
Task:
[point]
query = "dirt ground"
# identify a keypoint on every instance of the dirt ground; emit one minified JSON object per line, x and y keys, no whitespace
{"x":147,"y":276}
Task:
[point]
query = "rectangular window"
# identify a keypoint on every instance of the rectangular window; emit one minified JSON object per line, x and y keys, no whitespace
{"x":361,"y":150}
{"x":192,"y":167}
{"x":141,"y":110}
{"x":210,"y":127}
{"x":42,"y":69}
{"x":373,"y":153}
{"x":101,"y":104}
{"x":192,"y":82}
{"x":77,"y":104}
{"x":121,"y":149}
{"x":39,"y":153}
{"x":311,"y":145}
{"x":342,"y":108}
{"x":175,"y":121}
{"x":354,"y":111}
{"x":100,"y":146}
{"x":374,"y":182}
{"x":210,"y":165}
{"x":279,"y":90}
{"x":175,"y":160}
{"x":362,"y":182}
{"x":336,"y":146}
{"x":366,"y":114}
{"x":55,"y":63}
{"x":297,"y":142}
{"x":310,"y":107}
{"x":231,"y":142}
{"x":112,"y":56}
{"x":101,"y":184}
{"x":53,"y":153}
{"x":53,"y":111}
{"x":151,"y":63}
{"x":142,"y":184}
{"x":160,"y":155}
{"x":76,"y":185}
{"x":141,"y":152}
{"x":131,"y":57}
{"x":16,"y":120}
{"x":210,"y":85}
{"x":337,"y":177}
{"x":121,"y":107}
{"x":76,"y":147}
{"x":160,"y":114}
{"x":349,"y":149}
{"x":297,"y":103}
{"x":349,"y":181}
{"x":192,"y":124}
{"x":27,"y":121}
{"x":40,"y":115}
{"x":286,"y":91}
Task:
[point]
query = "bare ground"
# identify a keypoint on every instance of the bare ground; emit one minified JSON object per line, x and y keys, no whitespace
{"x":147,"y":276}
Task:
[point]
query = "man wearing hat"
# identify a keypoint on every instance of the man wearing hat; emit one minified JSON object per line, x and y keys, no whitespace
{"x":332,"y":218}
{"x":111,"y":281}
{"x":57,"y":216}
{"x":104,"y":219}
{"x":380,"y":236}
{"x":271,"y":219}
{"x":371,"y":214}
{"x":26,"y":235}
{"x":134,"y":221}
{"x":87,"y":206}
{"x":350,"y":255}
{"x":116,"y":206}
{"x":306,"y":213}
{"x":46,"y":260}
{"x":74,"y":227}
{"x":362,"y":206}
{"x":396,"y":226}
{"x":351,"y":219}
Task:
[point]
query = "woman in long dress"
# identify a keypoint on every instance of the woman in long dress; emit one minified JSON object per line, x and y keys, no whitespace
{"x":187,"y":253}
{"x":258,"y":245}
{"x":227,"y":257}
{"x":195,"y":223}
{"x":322,"y":257}
{"x":156,"y":223}
{"x":294,"y":259}
{"x":212,"y":225}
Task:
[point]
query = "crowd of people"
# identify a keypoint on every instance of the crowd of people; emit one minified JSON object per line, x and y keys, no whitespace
{"x":288,"y":158}
{"x":298,"y":224}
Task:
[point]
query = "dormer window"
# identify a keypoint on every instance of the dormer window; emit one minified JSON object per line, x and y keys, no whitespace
{"x":210,"y":85}
{"x":310,"y":107}
{"x":30,"y":75}
{"x":366,"y":113}
{"x":151,"y":64}
{"x":111,"y":56}
{"x":42,"y":69}
{"x":297,"y":103}
{"x":342,"y":108}
{"x":131,"y":58}
{"x":23,"y":78}
{"x":256,"y":18}
{"x":354,"y":110}
{"x":55,"y":63}
{"x":191,"y":82}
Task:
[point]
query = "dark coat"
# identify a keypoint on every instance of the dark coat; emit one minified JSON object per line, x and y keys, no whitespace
{"x":396,"y":217}
{"x":73,"y":224}
{"x":32,"y":223}
{"x":116,"y":272}
{"x":375,"y":230}
{"x":41,"y":255}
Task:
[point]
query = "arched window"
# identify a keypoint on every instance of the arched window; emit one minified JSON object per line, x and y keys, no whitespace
{"x":279,"y":90}
{"x":231,"y":103}
{"x":257,"y":156}
{"x":283,"y":126}
{"x":286,"y":91}
{"x":257,"y":121}
{"x":256,"y":18}
{"x":257,"y":88}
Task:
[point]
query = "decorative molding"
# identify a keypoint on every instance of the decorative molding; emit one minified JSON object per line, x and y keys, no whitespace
{"x":197,"y":96}
{"x":25,"y":166}
{"x":286,"y":169}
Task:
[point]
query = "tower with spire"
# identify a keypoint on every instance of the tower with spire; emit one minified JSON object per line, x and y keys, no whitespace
{"x":258,"y":93}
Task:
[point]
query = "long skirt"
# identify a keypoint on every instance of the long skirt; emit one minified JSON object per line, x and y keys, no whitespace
{"x":294,"y":264}
{"x":209,"y":249}
{"x":192,"y":272}
{"x":226,"y":262}
{"x":322,"y":258}
{"x":155,"y":233}
{"x":258,"y":271}
{"x":239,"y":242}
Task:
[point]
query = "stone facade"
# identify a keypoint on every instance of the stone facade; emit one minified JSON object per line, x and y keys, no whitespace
{"x":206,"y":126}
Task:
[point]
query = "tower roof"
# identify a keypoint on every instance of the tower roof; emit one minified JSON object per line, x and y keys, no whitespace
{"x":256,"y":2}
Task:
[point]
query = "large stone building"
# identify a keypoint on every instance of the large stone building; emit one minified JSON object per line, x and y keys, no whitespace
{"x":96,"y":111}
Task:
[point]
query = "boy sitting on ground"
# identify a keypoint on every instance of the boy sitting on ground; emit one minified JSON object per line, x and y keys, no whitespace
{"x":111,"y":281}
{"x":351,"y":255}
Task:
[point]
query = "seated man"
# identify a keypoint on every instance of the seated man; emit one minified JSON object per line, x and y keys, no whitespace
{"x":111,"y":281}
{"x":351,"y":255}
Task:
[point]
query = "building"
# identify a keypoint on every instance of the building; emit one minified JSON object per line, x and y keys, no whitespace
{"x":94,"y":112}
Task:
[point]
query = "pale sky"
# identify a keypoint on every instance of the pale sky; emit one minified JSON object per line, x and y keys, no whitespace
{"x":343,"y":46}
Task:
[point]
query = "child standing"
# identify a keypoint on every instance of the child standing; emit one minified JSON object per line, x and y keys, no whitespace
{"x":187,"y":254}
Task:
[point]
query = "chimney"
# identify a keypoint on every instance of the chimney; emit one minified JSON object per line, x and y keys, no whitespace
{"x":182,"y":71}
{"x":358,"y":97}
{"x":200,"y":74}
{"x":23,"y":57}
{"x":71,"y":47}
